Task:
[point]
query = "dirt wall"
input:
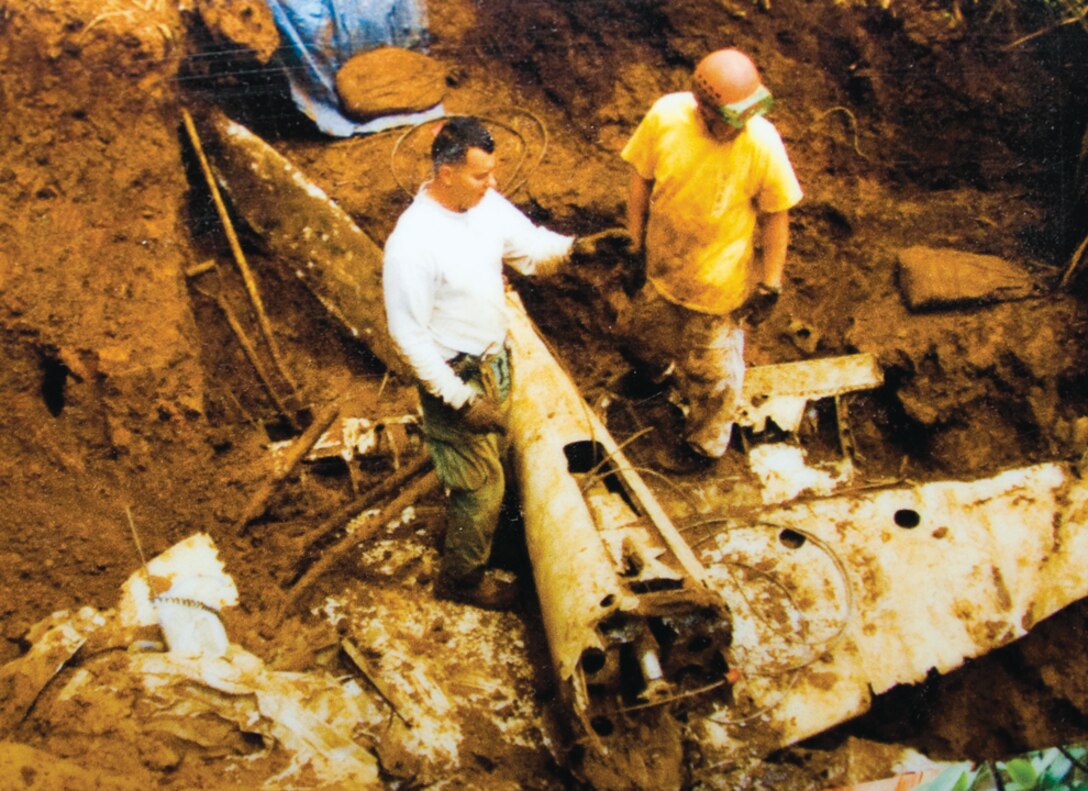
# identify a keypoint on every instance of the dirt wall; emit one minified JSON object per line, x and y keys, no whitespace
{"x":103,"y":379}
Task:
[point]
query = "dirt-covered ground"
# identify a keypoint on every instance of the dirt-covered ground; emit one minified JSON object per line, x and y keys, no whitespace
{"x":915,"y":123}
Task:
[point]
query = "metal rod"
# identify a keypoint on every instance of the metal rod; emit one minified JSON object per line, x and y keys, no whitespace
{"x":356,"y":656}
{"x":139,"y":547}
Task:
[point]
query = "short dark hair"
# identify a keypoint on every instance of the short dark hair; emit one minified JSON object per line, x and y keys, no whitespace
{"x":456,"y":137}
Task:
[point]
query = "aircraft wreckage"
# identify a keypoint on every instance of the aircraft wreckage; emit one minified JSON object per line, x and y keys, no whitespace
{"x":763,"y":627}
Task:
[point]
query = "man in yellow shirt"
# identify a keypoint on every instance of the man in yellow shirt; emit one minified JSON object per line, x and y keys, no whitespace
{"x":709,"y":173}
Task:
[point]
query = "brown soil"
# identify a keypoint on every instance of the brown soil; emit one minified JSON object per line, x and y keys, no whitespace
{"x":123,"y":384}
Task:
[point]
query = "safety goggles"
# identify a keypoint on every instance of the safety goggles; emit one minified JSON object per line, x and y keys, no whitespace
{"x":737,"y":114}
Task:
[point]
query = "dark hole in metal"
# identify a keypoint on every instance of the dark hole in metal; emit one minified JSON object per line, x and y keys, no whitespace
{"x":791,"y":539}
{"x":907,"y":517}
{"x":592,"y":660}
{"x":602,"y":725}
{"x":583,"y":456}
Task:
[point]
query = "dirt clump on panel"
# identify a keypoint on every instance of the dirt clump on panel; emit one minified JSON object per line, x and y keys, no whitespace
{"x":127,"y":387}
{"x":389,"y":80}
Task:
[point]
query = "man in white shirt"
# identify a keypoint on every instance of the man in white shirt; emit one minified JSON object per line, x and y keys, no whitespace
{"x":445,"y":304}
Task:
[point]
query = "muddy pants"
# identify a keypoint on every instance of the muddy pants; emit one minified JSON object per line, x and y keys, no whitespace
{"x":708,"y":352}
{"x":470,"y":466}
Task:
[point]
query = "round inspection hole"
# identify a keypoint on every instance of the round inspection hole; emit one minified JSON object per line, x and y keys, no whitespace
{"x":608,"y":600}
{"x":791,"y":539}
{"x":592,"y":661}
{"x":907,"y":518}
{"x":602,"y":725}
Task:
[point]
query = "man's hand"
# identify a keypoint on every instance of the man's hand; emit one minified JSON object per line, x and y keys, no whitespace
{"x":614,"y":241}
{"x":759,"y":304}
{"x":483,"y":415}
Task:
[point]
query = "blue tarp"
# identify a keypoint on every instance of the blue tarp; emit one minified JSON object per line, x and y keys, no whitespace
{"x":320,"y":36}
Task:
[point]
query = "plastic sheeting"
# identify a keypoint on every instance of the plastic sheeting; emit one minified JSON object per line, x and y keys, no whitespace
{"x":320,"y":36}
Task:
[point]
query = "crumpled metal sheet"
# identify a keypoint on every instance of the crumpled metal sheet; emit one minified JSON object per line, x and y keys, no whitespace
{"x":839,"y":599}
{"x":311,"y":715}
{"x":630,"y":619}
{"x":780,"y":392}
{"x":191,"y":586}
{"x":351,"y":437}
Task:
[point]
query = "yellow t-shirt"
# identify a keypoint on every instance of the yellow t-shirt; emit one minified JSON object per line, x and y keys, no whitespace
{"x":705,"y":200}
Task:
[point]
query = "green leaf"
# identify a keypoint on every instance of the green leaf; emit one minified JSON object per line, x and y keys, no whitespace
{"x":1022,"y":772}
{"x":957,"y":777}
{"x":1058,"y":770}
{"x":1044,"y":758}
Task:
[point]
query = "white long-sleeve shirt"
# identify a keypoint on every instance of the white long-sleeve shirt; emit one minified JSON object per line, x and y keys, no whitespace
{"x":443,"y":285}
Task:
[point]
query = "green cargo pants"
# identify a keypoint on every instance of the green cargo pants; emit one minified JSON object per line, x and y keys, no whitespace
{"x":470,"y":466}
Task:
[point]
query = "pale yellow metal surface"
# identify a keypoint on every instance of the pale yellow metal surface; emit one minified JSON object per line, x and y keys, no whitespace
{"x":854,"y":595}
{"x":567,"y":418}
{"x":574,"y":576}
{"x":781,"y":391}
{"x":610,"y":567}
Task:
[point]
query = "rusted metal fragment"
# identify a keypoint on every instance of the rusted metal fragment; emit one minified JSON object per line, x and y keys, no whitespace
{"x":780,"y":392}
{"x":834,"y":600}
{"x":350,"y":437}
{"x":630,"y":619}
{"x":304,"y":230}
{"x":933,"y":278}
{"x":784,"y":473}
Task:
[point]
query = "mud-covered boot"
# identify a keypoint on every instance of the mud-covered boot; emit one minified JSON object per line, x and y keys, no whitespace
{"x":496,"y":590}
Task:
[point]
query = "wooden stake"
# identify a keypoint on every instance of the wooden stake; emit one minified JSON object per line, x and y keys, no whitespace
{"x":1074,"y":264}
{"x":419,"y":488}
{"x":298,"y":451}
{"x":345,"y":514}
{"x":236,"y":250}
{"x":201,"y":268}
{"x":254,"y":360}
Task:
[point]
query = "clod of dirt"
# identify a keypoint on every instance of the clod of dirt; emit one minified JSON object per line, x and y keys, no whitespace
{"x":389,"y":80}
{"x":241,"y":23}
{"x":39,"y":769}
{"x":935,"y":277}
